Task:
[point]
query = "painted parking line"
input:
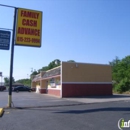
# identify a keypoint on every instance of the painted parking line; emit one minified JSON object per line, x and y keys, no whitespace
{"x":1,"y":111}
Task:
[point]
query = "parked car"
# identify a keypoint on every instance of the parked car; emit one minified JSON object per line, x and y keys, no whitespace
{"x":22,"y":88}
{"x":2,"y":88}
{"x":17,"y":86}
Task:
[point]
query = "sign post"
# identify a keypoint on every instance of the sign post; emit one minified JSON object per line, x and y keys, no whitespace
{"x":11,"y":60}
{"x":27,"y":32}
{"x":1,"y":77}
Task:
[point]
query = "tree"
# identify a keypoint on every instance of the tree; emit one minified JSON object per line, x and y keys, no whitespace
{"x":121,"y":74}
{"x":45,"y":68}
{"x":34,"y":73}
{"x":26,"y":82}
{"x":51,"y":65}
{"x":70,"y":61}
{"x":115,"y":61}
{"x":54,"y":64}
{"x":6,"y":80}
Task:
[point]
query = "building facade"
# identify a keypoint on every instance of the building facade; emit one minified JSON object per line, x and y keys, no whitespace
{"x":72,"y":79}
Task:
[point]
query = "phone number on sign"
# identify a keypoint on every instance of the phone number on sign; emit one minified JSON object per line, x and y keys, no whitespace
{"x":26,"y":39}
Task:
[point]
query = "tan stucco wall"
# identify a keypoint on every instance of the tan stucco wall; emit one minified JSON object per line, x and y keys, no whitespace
{"x":33,"y":84}
{"x":43,"y":84}
{"x":86,"y":72}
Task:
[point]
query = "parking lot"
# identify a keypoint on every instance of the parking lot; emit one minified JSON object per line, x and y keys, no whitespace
{"x":32,"y":111}
{"x":32,"y":99}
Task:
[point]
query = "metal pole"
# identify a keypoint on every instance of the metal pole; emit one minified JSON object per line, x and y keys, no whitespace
{"x":8,"y":6}
{"x":6,"y":29}
{"x":1,"y":80}
{"x":11,"y":60}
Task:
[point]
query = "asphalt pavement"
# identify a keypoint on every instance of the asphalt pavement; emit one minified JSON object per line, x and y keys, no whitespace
{"x":33,"y":111}
{"x":32,"y":99}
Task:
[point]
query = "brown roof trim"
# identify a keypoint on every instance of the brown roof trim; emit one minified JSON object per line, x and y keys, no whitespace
{"x":47,"y":78}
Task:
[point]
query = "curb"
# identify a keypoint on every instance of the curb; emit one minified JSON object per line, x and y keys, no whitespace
{"x":1,"y":111}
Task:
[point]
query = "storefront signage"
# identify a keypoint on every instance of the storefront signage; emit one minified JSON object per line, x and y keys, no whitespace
{"x":4,"y":40}
{"x":29,"y":28}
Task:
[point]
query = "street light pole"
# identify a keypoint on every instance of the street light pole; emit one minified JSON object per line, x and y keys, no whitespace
{"x":31,"y":70}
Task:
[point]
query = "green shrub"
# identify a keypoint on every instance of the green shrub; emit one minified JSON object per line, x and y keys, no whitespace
{"x":123,"y":85}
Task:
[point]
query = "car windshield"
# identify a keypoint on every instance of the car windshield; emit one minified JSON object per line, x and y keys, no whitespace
{"x":19,"y":87}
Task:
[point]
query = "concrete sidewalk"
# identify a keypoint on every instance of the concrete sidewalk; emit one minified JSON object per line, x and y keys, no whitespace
{"x":100,"y":99}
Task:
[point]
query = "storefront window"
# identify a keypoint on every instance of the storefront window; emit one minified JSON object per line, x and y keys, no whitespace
{"x":52,"y":83}
{"x":57,"y":82}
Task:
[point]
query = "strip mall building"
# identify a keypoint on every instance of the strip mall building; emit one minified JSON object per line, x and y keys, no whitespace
{"x":73,"y":79}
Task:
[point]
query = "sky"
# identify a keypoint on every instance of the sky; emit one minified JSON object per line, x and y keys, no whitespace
{"x":87,"y":31}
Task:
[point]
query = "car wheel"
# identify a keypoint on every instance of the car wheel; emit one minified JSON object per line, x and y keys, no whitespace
{"x":29,"y":91}
{"x":17,"y":91}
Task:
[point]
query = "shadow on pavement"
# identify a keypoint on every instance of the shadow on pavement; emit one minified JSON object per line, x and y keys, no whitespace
{"x":47,"y":106}
{"x":107,"y":109}
{"x":98,"y":97}
{"x":95,"y":110}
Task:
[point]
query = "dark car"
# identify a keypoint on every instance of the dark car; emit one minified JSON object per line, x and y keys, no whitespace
{"x":22,"y":88}
{"x":15,"y":86}
{"x":2,"y":88}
